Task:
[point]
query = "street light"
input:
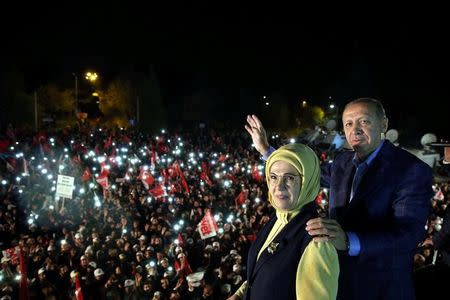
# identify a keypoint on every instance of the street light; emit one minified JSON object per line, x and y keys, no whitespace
{"x":91,"y":76}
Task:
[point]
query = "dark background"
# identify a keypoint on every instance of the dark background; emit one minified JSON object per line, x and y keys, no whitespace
{"x":235,"y":55}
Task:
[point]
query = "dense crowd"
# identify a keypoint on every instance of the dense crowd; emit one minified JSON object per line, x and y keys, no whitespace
{"x":131,"y":228}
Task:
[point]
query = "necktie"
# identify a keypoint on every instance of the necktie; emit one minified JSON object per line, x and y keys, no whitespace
{"x":357,"y":178}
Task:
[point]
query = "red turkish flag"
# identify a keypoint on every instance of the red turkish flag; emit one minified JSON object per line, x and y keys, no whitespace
{"x":104,"y":170}
{"x":165,"y":175}
{"x":146,"y":177}
{"x":180,"y":240}
{"x":4,"y":144}
{"x":184,"y":185}
{"x":222,"y":158}
{"x":78,"y":292}
{"x":251,"y":237}
{"x":157,"y":191}
{"x":173,"y":189}
{"x":240,"y":199}
{"x":125,"y":139}
{"x":162,"y":147}
{"x":108,"y":143}
{"x":103,"y":181}
{"x":256,"y":174}
{"x":179,"y":172}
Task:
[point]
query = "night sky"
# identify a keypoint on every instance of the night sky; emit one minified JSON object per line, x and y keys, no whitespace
{"x":239,"y":55}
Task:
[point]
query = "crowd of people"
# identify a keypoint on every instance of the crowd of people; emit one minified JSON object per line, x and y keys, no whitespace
{"x":131,"y":228}
{"x":134,"y":236}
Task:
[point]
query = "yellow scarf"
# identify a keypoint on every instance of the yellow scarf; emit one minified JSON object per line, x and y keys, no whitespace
{"x":305,"y":160}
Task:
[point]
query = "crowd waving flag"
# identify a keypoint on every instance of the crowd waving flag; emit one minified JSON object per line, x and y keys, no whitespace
{"x":207,"y":226}
{"x":146,"y":178}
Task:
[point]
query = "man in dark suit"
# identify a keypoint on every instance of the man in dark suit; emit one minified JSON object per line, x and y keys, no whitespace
{"x":379,"y":203}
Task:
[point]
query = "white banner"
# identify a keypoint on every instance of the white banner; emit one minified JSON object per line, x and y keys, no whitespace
{"x":64,"y":187}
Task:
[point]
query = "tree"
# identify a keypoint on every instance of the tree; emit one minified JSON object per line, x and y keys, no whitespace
{"x":54,"y":101}
{"x":316,"y":114}
{"x":17,"y":105}
{"x":117,"y":103}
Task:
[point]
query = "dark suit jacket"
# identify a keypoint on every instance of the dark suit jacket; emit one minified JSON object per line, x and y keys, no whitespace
{"x":273,"y":275}
{"x":388,"y":212}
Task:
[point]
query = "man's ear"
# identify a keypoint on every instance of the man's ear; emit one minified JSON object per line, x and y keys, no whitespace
{"x":384,"y":125}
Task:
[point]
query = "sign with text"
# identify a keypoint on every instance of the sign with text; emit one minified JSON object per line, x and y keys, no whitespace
{"x":207,"y":226}
{"x":64,"y":187}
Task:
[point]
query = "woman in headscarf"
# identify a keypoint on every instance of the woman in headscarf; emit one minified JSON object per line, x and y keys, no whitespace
{"x":284,"y":262}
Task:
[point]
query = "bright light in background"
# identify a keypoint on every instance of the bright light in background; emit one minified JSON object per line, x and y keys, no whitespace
{"x":91,"y":76}
{"x":331,"y":106}
{"x":292,"y":140}
{"x":230,"y":218}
